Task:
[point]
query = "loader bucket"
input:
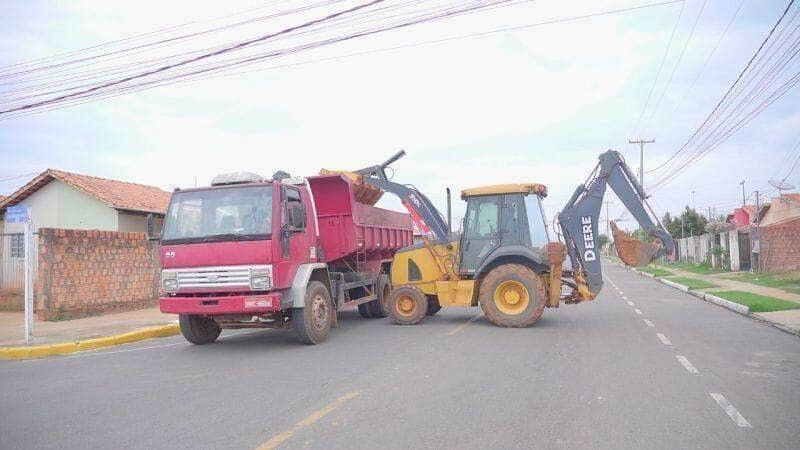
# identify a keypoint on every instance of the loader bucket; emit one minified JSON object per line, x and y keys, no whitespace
{"x":363,"y":192}
{"x":631,"y":251}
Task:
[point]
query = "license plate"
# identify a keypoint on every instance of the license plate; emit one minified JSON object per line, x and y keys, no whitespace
{"x":258,"y":303}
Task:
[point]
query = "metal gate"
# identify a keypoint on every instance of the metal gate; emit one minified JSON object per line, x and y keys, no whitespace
{"x":12,"y":267}
{"x":744,"y":251}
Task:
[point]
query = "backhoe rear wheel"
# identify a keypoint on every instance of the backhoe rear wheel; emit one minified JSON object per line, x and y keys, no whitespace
{"x":407,"y":305}
{"x":511,"y":295}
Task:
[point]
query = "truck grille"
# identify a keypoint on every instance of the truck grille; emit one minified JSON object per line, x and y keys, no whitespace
{"x":215,"y":277}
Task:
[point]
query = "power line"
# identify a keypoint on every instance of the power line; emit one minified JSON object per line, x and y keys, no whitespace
{"x":215,"y":70}
{"x":678,"y":62}
{"x":721,"y":105}
{"x":660,"y":68}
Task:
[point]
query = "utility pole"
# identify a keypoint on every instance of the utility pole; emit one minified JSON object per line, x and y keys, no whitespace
{"x":743,"y":197}
{"x":694,"y":207}
{"x":641,"y":143}
{"x":608,"y":235}
{"x":755,"y":263}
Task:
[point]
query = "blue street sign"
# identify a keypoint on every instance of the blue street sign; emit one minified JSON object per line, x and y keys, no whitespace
{"x":17,"y":213}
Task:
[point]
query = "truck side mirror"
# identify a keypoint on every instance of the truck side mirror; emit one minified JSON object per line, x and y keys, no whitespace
{"x":151,"y":234}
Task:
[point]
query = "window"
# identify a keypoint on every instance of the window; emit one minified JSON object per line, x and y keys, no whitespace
{"x":220,"y":213}
{"x":17,"y":245}
{"x":536,"y":222}
{"x":414,"y":273}
{"x":513,"y":222}
{"x":482,"y":217}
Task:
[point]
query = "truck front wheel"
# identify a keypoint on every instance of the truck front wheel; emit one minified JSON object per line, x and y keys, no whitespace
{"x":312,"y":323}
{"x":198,"y":330}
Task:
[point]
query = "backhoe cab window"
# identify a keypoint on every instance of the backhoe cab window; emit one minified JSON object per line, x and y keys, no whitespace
{"x":482,"y":217}
{"x":536,"y":221}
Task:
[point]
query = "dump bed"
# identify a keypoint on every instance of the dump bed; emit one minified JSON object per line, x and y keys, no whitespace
{"x":347,"y":227}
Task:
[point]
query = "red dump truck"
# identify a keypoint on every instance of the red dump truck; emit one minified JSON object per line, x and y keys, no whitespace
{"x":253,"y":253}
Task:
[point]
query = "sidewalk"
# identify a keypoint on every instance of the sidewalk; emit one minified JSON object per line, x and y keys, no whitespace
{"x":726,"y":284}
{"x":12,"y":326}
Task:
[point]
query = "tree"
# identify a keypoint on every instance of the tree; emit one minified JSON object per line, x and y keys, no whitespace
{"x":693,"y":224}
{"x":603,"y":239}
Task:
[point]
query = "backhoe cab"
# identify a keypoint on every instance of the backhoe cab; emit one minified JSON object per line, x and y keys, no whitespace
{"x":505,"y":259}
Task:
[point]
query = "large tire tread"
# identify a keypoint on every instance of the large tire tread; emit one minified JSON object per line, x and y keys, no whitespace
{"x":302,"y":319}
{"x":415,"y":295}
{"x":525,"y":276}
{"x":198,"y":330}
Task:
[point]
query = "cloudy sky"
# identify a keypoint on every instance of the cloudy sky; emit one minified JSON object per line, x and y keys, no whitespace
{"x":532,"y":104}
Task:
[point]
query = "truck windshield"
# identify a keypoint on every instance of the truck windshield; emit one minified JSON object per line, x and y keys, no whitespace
{"x":239,"y":213}
{"x":536,"y":221}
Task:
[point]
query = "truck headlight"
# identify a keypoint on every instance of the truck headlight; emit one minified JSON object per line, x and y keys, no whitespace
{"x":261,"y":278}
{"x":169,"y":280}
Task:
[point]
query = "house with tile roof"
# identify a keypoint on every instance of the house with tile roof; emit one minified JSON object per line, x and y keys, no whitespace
{"x":58,"y":199}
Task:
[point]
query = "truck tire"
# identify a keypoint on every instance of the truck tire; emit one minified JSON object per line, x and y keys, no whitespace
{"x":512,"y":295}
{"x":364,"y":311}
{"x":377,"y":308}
{"x":407,"y":305}
{"x":433,"y":305}
{"x":312,"y":323}
{"x":198,"y":330}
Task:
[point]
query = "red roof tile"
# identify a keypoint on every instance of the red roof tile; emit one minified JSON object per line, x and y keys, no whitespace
{"x":116,"y":194}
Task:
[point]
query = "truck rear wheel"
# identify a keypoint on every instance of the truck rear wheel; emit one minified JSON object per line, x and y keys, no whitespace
{"x":433,"y":305}
{"x":407,"y":305}
{"x":377,"y":308}
{"x":511,"y":295}
{"x":364,"y":311}
{"x":312,"y":323}
{"x":198,"y":330}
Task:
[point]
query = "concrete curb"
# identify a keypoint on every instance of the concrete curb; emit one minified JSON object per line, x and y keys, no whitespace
{"x":65,"y":348}
{"x":727,"y":304}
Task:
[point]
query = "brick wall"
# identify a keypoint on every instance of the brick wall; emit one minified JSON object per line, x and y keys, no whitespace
{"x":780,"y":246}
{"x":87,"y":272}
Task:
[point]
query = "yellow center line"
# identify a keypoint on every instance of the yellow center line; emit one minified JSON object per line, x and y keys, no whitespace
{"x":278,"y":439}
{"x":461,"y":327}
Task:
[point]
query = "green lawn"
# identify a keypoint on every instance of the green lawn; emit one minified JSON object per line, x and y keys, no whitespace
{"x":656,"y":271}
{"x":789,"y":282}
{"x":692,"y":283}
{"x":756,"y":302}
{"x":702,"y":269}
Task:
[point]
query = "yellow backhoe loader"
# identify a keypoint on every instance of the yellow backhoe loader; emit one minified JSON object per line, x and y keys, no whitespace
{"x":506,"y":259}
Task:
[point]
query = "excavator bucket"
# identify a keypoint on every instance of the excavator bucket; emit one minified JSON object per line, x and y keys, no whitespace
{"x":364,"y":193}
{"x":631,"y":251}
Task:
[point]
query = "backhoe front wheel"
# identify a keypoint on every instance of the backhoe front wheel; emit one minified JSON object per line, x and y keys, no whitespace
{"x":511,"y":295}
{"x":407,"y":305}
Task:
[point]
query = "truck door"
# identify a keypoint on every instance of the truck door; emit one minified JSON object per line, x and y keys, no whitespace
{"x":294,"y":239}
{"x":481,"y":231}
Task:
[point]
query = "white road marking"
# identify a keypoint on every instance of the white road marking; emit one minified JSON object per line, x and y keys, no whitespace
{"x":663,"y":339}
{"x":757,"y":374}
{"x":638,"y":311}
{"x":730,"y":410}
{"x":649,"y":324}
{"x":686,"y":364}
{"x":630,"y":303}
{"x":624,"y":298}
{"x":621,"y":293}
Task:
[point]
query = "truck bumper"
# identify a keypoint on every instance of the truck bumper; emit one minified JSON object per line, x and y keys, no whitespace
{"x":238,"y":304}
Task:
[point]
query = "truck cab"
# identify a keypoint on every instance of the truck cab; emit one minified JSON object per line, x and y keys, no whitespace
{"x":247,"y":252}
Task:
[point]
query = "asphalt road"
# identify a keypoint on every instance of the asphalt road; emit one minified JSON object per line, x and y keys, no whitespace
{"x":595,"y":375}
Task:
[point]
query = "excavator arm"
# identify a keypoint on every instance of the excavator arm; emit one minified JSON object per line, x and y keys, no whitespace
{"x":579,"y":225}
{"x":423,"y":213}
